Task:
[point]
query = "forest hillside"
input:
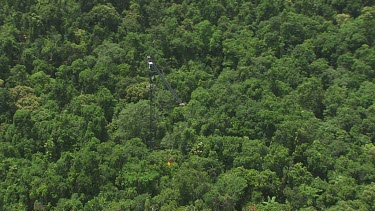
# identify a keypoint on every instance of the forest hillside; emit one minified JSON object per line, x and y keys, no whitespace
{"x":279,"y":105}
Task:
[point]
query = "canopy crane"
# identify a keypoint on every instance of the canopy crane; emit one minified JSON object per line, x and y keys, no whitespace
{"x":153,"y":71}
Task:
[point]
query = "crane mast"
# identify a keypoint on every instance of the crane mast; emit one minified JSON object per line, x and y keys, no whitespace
{"x":155,"y":71}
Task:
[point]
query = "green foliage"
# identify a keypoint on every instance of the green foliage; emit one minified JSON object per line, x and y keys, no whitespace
{"x":227,"y":191}
{"x":279,"y":105}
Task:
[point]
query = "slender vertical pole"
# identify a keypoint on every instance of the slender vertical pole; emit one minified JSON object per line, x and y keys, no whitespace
{"x":152,"y":112}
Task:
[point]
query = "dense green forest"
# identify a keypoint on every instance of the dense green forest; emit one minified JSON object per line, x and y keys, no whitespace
{"x":279,"y":114}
